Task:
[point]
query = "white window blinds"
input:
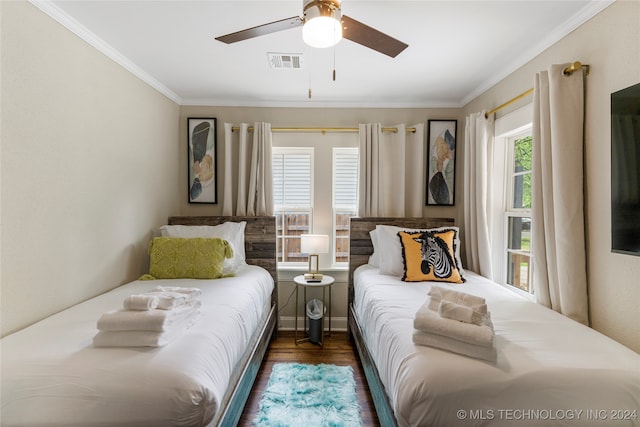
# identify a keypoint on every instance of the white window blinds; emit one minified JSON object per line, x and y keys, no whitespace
{"x":345,"y":178}
{"x":292,"y":172}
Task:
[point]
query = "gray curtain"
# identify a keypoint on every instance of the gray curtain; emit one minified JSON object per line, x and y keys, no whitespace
{"x":558,"y":240}
{"x":391,"y":178}
{"x":478,"y":164}
{"x":251,"y":175}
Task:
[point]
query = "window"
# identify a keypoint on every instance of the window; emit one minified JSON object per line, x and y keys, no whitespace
{"x":293,"y":200}
{"x":315,"y":191}
{"x":345,"y":199}
{"x":518,"y":212}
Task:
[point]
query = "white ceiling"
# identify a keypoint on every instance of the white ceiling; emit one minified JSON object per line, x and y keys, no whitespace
{"x":457,"y":49}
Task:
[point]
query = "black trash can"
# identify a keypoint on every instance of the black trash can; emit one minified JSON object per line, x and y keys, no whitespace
{"x":315,"y":313}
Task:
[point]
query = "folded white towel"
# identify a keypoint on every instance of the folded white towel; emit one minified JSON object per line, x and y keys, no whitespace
{"x":174,"y":296}
{"x":462,"y":313}
{"x":168,"y":300}
{"x":150,"y":320}
{"x":143,"y":338}
{"x":191,"y":292}
{"x":455,"y":346}
{"x":427,"y":320}
{"x":438,"y":294}
{"x":132,"y":339}
{"x":141,"y":302}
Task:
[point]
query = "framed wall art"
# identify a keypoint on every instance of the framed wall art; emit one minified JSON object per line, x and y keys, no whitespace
{"x":441,"y":162}
{"x":202,"y":158}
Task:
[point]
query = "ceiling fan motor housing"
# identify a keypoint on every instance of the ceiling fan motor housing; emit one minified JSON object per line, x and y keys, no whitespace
{"x":322,"y":23}
{"x":316,"y":8}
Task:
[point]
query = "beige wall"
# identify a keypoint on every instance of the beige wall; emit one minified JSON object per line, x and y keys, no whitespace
{"x":610,"y":43}
{"x":89,"y":167}
{"x":307,"y":117}
{"x":311,"y":117}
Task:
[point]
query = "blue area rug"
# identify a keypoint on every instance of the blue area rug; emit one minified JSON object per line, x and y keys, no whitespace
{"x":309,"y":396}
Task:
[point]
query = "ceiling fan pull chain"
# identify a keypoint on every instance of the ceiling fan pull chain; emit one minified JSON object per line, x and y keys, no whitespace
{"x":334,"y":62}
{"x":309,"y":71}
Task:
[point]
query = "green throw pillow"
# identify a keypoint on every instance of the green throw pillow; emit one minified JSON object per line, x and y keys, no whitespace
{"x":194,"y":258}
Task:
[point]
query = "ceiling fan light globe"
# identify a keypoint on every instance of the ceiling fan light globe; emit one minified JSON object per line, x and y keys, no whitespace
{"x":322,"y":31}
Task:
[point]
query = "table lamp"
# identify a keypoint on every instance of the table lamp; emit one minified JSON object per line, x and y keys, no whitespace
{"x":314,"y":244}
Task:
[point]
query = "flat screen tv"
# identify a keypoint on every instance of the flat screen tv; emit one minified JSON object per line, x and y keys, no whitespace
{"x":625,"y":170}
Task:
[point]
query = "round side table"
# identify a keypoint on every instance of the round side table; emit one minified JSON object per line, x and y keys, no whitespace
{"x":326,"y":282}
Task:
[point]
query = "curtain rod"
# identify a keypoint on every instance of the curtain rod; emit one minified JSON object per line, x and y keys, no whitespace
{"x":323,"y":130}
{"x":567,"y":72}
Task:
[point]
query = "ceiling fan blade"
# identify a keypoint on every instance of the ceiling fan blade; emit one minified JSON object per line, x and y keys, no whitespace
{"x":261,"y":30}
{"x":367,"y":36}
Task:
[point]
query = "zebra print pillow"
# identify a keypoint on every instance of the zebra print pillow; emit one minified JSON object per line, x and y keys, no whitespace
{"x":390,"y":249}
{"x":429,"y":255}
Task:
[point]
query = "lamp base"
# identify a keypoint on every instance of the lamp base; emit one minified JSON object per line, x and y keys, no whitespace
{"x":313,"y":277}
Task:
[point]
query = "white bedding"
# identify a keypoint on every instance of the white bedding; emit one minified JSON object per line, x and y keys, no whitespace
{"x":53,"y":376}
{"x":550,"y":370}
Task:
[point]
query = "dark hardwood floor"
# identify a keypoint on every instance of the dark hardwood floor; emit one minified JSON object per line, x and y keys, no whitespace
{"x":337,"y":350}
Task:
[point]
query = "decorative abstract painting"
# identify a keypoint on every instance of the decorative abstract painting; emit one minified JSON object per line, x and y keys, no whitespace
{"x":441,"y":162}
{"x":202,"y":160}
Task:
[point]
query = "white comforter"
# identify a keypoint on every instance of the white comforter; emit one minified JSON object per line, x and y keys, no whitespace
{"x":550,"y":370}
{"x":53,"y":376}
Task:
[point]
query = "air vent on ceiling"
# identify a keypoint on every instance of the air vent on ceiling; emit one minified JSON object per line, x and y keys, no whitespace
{"x":286,"y":61}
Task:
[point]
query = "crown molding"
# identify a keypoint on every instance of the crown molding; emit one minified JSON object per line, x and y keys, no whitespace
{"x":81,"y":31}
{"x":220,"y":102}
{"x":589,"y":11}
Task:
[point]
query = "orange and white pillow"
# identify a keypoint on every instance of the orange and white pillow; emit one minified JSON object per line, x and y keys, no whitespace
{"x":429,"y":256}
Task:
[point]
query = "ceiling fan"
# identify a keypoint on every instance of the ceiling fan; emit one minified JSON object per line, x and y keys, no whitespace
{"x":324,"y":26}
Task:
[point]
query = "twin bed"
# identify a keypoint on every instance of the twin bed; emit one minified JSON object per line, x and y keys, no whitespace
{"x":54,"y":375}
{"x":549,"y":369}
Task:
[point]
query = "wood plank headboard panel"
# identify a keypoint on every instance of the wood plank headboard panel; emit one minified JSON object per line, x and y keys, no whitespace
{"x":259,"y":237}
{"x":360,"y":246}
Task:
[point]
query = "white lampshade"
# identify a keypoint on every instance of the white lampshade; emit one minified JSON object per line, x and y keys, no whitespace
{"x":314,"y":243}
{"x":322,"y":24}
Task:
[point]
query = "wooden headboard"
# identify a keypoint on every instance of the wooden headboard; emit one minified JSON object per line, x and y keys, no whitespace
{"x":360,"y":246}
{"x":259,"y":237}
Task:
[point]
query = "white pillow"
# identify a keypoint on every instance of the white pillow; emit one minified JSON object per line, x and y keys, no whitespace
{"x":390,"y":248}
{"x":374,"y":259}
{"x":233,"y":232}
